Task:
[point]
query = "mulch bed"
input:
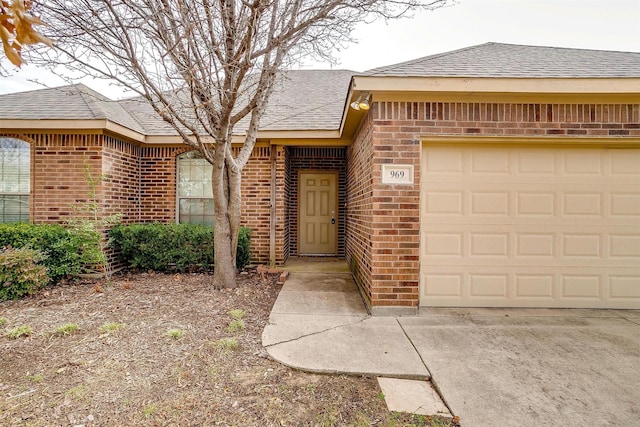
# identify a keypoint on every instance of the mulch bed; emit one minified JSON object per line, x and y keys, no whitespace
{"x":137,"y":373}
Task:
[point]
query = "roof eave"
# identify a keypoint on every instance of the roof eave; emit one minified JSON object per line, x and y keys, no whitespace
{"x":550,"y":85}
{"x":76,"y":125}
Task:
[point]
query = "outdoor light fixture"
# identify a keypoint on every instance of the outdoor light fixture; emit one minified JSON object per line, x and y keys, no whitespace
{"x":362,"y":103}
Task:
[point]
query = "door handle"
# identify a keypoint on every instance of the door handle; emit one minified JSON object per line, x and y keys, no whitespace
{"x":333,"y":217}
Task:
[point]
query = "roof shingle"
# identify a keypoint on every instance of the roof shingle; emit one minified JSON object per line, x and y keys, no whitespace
{"x":502,"y":60}
{"x":74,"y":102}
{"x":315,"y":99}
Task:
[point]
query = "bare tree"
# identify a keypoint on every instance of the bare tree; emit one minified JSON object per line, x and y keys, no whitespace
{"x":205,"y":65}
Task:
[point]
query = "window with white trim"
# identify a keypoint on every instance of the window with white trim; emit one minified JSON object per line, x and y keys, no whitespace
{"x":15,"y":180}
{"x":195,"y":196}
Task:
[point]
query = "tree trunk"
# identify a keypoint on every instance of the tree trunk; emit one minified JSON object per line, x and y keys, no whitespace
{"x":235,"y":199}
{"x":225,"y":232}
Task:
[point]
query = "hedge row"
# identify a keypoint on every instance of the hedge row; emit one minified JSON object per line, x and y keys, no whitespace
{"x":158,"y":247}
{"x":61,"y":248}
{"x":172,"y":247}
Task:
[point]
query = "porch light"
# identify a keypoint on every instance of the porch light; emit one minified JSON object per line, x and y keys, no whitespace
{"x":362,"y":103}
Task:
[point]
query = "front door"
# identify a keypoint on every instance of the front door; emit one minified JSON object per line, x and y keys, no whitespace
{"x":318,"y":221}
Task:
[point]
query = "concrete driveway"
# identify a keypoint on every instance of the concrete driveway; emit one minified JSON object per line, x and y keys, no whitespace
{"x":493,"y":367}
{"x":530,"y":367}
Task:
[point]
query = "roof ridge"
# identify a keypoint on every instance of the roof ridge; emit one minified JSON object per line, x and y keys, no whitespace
{"x":84,"y":92}
{"x":95,"y":102}
{"x":434,"y":56}
{"x":582,"y":49}
{"x":390,"y":69}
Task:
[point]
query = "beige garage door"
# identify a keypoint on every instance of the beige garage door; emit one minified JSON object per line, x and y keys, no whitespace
{"x":508,"y":226}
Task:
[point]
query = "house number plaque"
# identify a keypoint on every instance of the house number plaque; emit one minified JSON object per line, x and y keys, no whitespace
{"x":397,"y":174}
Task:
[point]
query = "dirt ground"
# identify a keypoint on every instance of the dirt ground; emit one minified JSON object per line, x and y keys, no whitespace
{"x":158,"y":350}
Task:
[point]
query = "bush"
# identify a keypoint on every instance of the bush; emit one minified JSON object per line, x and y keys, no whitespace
{"x":171,"y":247}
{"x":60,"y":248}
{"x":20,"y":273}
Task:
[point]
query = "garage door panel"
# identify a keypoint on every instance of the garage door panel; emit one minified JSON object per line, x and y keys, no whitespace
{"x":582,"y":163}
{"x":513,"y":201}
{"x":582,"y":245}
{"x":625,"y":163}
{"x":490,"y":162}
{"x":625,"y":204}
{"x":534,"y":286}
{"x":537,"y":163}
{"x":565,"y":245}
{"x":625,"y":246}
{"x":624,"y":287}
{"x":546,"y":227}
{"x":531,"y":287}
{"x":536,"y":203}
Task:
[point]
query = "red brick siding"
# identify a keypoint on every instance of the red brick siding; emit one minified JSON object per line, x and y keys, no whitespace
{"x":329,"y":159}
{"x":395,"y":213}
{"x":121,"y":179}
{"x":158,"y":183}
{"x":358,"y":243}
{"x":158,"y":192}
{"x":139,"y":182}
{"x":446,"y":118}
{"x":57,"y":176}
{"x":395,"y":137}
{"x":283,"y":190}
{"x":256,"y":201}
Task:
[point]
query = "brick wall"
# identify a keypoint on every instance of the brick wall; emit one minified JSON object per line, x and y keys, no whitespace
{"x":446,"y":118}
{"x":57,"y":173}
{"x":139,"y":182}
{"x":358,"y":243}
{"x":158,"y":183}
{"x":121,"y":179}
{"x":283,"y":190}
{"x":256,"y":202}
{"x":329,"y":159}
{"x":395,"y":212}
{"x":158,"y":192}
{"x":392,"y":133}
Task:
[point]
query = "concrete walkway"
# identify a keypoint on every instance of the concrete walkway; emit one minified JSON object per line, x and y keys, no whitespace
{"x":493,"y":367}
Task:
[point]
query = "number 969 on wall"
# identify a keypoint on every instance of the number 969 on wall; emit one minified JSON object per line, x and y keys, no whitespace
{"x":397,"y":174}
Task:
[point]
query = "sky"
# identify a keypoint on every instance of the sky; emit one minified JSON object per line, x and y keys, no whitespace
{"x":586,"y":24}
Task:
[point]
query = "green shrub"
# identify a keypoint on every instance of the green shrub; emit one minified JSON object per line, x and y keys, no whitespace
{"x":20,"y":273}
{"x":171,"y":247}
{"x":60,"y":247}
{"x":243,"y":255}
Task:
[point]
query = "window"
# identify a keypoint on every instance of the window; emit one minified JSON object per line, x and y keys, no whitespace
{"x":195,"y":197}
{"x":15,"y":180}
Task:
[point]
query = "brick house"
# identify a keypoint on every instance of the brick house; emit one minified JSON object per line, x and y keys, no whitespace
{"x":496,"y":175}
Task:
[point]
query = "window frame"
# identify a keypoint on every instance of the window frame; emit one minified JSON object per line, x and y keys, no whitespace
{"x":194,"y":154}
{"x":20,"y":195}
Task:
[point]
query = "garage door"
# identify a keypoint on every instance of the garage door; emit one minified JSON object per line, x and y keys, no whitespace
{"x":507,"y":226}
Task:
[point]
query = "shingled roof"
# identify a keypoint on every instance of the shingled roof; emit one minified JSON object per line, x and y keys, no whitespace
{"x":302,"y":100}
{"x":307,"y":100}
{"x":502,"y":60}
{"x":74,"y":102}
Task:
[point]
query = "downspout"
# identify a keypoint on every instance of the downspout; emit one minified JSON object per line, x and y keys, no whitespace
{"x":272,"y":216}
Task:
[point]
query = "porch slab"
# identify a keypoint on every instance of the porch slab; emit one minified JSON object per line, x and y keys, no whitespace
{"x":316,"y":265}
{"x":322,"y":282}
{"x":412,"y":396}
{"x":320,"y":293}
{"x":319,"y":303}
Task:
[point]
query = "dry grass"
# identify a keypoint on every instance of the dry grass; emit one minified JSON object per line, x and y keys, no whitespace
{"x":119,"y":367}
